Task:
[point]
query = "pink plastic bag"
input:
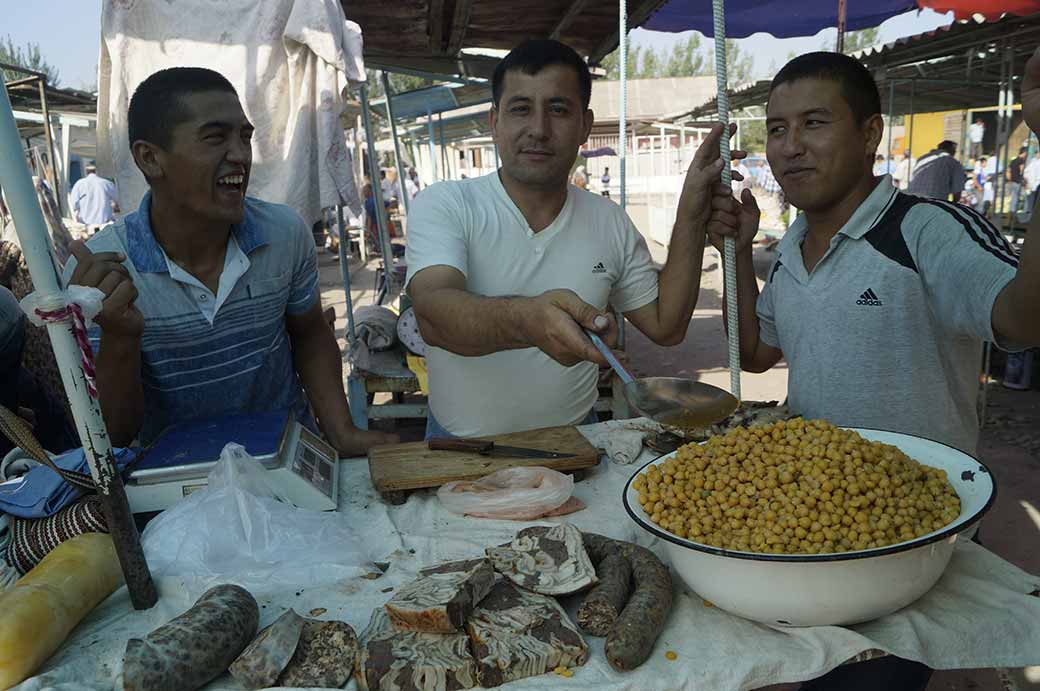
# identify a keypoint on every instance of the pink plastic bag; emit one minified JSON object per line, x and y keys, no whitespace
{"x":514,"y":493}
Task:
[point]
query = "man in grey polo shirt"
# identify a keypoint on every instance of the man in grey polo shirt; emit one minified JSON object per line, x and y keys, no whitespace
{"x":212,"y":304}
{"x":880,"y":301}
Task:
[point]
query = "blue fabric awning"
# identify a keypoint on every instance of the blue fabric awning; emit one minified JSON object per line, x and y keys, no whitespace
{"x":781,"y":18}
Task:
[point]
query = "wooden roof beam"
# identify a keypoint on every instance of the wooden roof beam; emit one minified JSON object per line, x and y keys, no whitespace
{"x":637,"y":16}
{"x":436,"y":24}
{"x":568,"y":18}
{"x":459,"y":23}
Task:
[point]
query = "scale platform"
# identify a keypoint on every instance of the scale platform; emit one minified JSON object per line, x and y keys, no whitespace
{"x":303,"y":468}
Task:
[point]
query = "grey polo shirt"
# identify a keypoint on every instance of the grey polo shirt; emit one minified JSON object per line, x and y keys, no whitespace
{"x":887,"y":330}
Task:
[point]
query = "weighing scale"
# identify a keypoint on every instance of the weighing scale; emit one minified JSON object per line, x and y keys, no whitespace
{"x":302,"y":468}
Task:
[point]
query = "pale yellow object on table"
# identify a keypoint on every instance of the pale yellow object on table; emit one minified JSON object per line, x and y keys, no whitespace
{"x":418,"y":367}
{"x":43,"y":607}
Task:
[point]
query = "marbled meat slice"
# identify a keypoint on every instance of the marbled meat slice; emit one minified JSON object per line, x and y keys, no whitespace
{"x":412,"y":661}
{"x":441,"y":598}
{"x":324,"y":657}
{"x":517,"y":634}
{"x":550,"y":560}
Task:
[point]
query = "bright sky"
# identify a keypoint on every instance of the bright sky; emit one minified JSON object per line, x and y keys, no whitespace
{"x":71,"y":44}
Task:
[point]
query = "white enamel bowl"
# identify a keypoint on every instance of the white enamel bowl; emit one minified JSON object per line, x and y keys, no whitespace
{"x":830,"y":589}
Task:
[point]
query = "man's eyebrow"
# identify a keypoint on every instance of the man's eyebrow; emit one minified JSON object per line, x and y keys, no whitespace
{"x":517,"y":99}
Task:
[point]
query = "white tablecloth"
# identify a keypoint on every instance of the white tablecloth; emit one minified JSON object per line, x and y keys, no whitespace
{"x":980,"y":614}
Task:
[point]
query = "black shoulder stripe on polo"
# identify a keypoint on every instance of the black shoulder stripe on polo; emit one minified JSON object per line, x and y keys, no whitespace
{"x":978,"y":229}
{"x":996,"y":238}
{"x":886,"y":235}
{"x":776,"y":265}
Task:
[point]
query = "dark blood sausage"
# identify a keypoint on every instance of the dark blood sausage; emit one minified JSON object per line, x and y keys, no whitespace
{"x":631,"y":639}
{"x":601,"y":607}
{"x":195,"y":647}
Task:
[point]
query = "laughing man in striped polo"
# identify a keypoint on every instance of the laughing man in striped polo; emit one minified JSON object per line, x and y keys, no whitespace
{"x":880,"y":301}
{"x":212,"y":303}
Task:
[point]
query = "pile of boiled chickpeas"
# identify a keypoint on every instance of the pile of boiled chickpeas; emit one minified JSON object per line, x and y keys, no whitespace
{"x":796,"y":487}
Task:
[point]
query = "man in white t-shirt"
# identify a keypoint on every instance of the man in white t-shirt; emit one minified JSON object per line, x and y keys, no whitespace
{"x":505,"y":270}
{"x":976,"y":133}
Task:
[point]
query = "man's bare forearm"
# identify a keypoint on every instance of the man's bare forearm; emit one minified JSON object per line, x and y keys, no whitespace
{"x":473,"y":325}
{"x":120,"y":390}
{"x":316,"y":358}
{"x":679,"y":283}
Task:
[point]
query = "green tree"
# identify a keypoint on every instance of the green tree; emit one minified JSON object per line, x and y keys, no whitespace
{"x":611,"y":64}
{"x":686,"y":59}
{"x":739,"y":64}
{"x":399,"y":83}
{"x":28,"y":57}
{"x":651,"y":67}
{"x":854,"y":41}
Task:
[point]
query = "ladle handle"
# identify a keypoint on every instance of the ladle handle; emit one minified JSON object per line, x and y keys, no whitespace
{"x":609,"y":355}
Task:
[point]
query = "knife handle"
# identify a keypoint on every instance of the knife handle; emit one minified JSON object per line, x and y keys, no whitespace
{"x":469,"y":445}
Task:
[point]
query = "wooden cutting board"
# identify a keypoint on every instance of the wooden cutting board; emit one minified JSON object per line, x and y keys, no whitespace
{"x":413,"y":466}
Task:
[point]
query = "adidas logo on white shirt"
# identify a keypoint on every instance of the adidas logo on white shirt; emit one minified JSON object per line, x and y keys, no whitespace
{"x":599,"y":268}
{"x":869,"y":298}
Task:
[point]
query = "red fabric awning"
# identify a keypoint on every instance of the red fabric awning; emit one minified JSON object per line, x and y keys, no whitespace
{"x":990,"y":9}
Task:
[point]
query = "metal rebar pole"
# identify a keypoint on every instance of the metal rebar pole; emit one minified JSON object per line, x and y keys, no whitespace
{"x":433,"y":150}
{"x":891,"y":126}
{"x":377,"y":189}
{"x":86,"y":411}
{"x":910,"y":136}
{"x":729,"y":253}
{"x":623,"y":105}
{"x":344,"y":270}
{"x":50,"y":143}
{"x":445,"y":163}
{"x":397,"y":143}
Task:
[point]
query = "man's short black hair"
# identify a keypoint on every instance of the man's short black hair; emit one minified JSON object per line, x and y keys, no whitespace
{"x":1024,"y":150}
{"x":947,"y":146}
{"x":158,"y":103}
{"x":858,"y":87}
{"x":531,"y":57}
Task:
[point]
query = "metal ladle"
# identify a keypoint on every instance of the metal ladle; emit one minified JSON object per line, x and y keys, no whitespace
{"x":673,"y":401}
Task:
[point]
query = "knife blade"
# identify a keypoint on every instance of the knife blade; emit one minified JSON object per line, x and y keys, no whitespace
{"x":490,"y":448}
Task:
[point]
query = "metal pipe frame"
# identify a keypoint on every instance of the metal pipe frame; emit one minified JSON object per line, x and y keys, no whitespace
{"x":397,"y":143}
{"x":377,"y":190}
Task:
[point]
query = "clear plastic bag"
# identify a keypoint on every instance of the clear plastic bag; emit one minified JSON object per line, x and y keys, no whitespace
{"x":236,"y":530}
{"x":514,"y":493}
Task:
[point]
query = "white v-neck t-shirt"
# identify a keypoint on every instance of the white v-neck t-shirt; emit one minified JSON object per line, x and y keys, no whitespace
{"x":592,"y":248}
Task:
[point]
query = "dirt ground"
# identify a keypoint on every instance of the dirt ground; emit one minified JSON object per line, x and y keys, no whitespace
{"x":1010,"y":441}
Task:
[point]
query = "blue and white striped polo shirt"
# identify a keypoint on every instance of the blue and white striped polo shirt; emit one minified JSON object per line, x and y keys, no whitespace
{"x":242,"y":361}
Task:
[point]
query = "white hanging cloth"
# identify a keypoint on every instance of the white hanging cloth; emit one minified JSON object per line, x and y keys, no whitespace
{"x":291,"y":62}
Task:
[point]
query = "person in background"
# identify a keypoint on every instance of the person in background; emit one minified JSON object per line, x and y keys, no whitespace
{"x":976,"y":133}
{"x":1015,"y":176}
{"x":903,"y":171}
{"x":94,"y":200}
{"x":580,"y":179}
{"x":605,"y":182}
{"x":882,"y":166}
{"x":1032,"y":180}
{"x":386,"y":186}
{"x":938,"y":174}
{"x":411,"y":183}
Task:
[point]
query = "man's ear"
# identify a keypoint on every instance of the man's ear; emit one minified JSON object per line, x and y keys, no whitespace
{"x":148,"y":158}
{"x":588,"y":118}
{"x":873,"y":128}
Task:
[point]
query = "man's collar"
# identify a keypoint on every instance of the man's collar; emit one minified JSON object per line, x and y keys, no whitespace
{"x":863,"y":218}
{"x":148,"y":257}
